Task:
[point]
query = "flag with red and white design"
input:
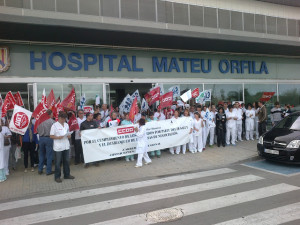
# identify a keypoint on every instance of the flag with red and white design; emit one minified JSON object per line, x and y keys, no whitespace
{"x":266,"y":96}
{"x":18,"y":98}
{"x":69,"y":101}
{"x":8,"y":104}
{"x":166,"y":100}
{"x":51,"y":100}
{"x":73,"y":123}
{"x":195,"y":93}
{"x":133,"y":110}
{"x":153,"y":96}
{"x":40,"y":113}
{"x":20,"y":120}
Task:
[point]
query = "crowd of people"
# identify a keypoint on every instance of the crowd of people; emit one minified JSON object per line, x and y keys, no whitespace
{"x":219,"y":125}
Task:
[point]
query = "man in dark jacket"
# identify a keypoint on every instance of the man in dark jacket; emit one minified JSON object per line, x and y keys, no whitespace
{"x":262,"y":118}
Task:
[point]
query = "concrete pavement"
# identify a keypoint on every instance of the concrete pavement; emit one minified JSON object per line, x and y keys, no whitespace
{"x":20,"y":184}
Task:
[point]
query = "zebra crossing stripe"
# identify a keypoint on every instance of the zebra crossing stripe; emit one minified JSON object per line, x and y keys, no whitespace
{"x":126,"y":201}
{"x":211,"y":204}
{"x":278,"y":215}
{"x":110,"y":189}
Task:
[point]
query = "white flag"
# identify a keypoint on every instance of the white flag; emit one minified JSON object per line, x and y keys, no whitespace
{"x":186,"y":96}
{"x":82,"y":101}
{"x":97,"y":100}
{"x":137,"y":95}
{"x":144,"y":106}
{"x":175,"y":90}
{"x":20,"y":120}
{"x":207,"y":97}
{"x":126,"y":104}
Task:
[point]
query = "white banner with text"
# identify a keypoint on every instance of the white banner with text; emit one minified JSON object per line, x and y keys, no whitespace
{"x":113,"y":142}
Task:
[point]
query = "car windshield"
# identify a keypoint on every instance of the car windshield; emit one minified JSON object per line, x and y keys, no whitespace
{"x":290,"y":122}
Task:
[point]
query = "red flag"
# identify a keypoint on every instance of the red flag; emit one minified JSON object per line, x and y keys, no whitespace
{"x":69,"y":101}
{"x":40,"y":113}
{"x":195,"y":93}
{"x":9,"y":103}
{"x":166,"y":100}
{"x":18,"y":98}
{"x":133,"y":110}
{"x":56,"y":109}
{"x":51,"y":99}
{"x":153,"y":96}
{"x":266,"y":96}
{"x":111,"y":110}
{"x":73,"y":123}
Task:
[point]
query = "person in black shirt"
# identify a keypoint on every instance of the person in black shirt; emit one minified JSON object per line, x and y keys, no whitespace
{"x":88,"y":124}
{"x":221,"y":127}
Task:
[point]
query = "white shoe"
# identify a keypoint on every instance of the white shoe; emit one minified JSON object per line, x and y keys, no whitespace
{"x":132,"y":159}
{"x":136,"y":166}
{"x":252,"y":139}
{"x":127,"y":160}
{"x":44,"y":166}
{"x":146,"y":163}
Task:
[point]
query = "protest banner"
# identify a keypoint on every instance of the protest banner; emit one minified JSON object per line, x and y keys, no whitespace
{"x":266,"y":96}
{"x":20,"y":120}
{"x":153,"y":96}
{"x":51,"y":99}
{"x":166,"y":100}
{"x":69,"y":101}
{"x":195,"y":93}
{"x":113,"y":142}
{"x":8,"y":104}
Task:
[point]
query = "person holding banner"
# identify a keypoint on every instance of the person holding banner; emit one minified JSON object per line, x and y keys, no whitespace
{"x":175,"y":149}
{"x":191,"y":143}
{"x":29,"y":146}
{"x":61,"y":145}
{"x":231,"y":126}
{"x":127,"y":121}
{"x":151,"y":118}
{"x":142,"y":144}
{"x":198,"y":126}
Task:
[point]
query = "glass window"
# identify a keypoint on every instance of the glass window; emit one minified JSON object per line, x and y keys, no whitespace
{"x":292,"y":25}
{"x":260,"y":24}
{"x":225,"y":92}
{"x":291,"y":122}
{"x":48,"y":5}
{"x":290,"y":94}
{"x":14,"y":3}
{"x":90,"y":91}
{"x":164,"y":11}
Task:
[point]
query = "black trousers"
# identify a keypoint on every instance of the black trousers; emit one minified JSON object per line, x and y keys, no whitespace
{"x":29,"y":149}
{"x":78,"y":152}
{"x":262,"y":127}
{"x":221,"y":137}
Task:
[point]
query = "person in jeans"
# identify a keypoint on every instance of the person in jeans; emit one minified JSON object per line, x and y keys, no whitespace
{"x":60,"y":134}
{"x":45,"y":144}
{"x":29,"y":146}
{"x":276,"y":114}
{"x":262,"y":118}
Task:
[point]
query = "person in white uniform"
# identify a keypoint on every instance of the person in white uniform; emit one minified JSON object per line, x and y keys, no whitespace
{"x":2,"y":170}
{"x":176,"y":148}
{"x":159,"y":115}
{"x":212,"y":125}
{"x":239,"y":121}
{"x":142,"y":144}
{"x":7,"y":145}
{"x":190,"y":122}
{"x":231,"y":126}
{"x":204,"y":117}
{"x":250,"y":115}
{"x":198,"y":126}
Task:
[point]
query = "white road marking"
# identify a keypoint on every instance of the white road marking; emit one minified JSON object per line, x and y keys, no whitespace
{"x":110,"y":189}
{"x":274,"y":216}
{"x":211,"y":204}
{"x":127,"y":201}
